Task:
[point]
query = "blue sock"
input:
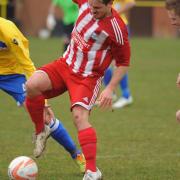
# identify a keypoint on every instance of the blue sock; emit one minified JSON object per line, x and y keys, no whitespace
{"x":107,"y":76}
{"x":60,"y":134}
{"x":124,"y":86}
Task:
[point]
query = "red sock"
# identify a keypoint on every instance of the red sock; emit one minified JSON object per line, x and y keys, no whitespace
{"x":87,"y":139}
{"x":35,"y":107}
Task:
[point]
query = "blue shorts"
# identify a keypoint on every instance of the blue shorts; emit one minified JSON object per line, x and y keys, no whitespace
{"x":14,"y":85}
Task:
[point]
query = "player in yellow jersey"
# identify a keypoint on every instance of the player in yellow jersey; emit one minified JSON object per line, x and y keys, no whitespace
{"x":15,"y":68}
{"x":15,"y":63}
{"x":122,"y":7}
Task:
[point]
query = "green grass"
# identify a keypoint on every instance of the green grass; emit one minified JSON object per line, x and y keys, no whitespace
{"x":140,"y":142}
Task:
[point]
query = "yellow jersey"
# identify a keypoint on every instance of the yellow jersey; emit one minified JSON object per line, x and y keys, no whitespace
{"x":117,"y":4}
{"x":14,"y":51}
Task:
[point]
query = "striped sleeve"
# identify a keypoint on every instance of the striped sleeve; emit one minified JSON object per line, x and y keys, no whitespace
{"x":79,"y":2}
{"x":117,"y":31}
{"x":120,"y":46}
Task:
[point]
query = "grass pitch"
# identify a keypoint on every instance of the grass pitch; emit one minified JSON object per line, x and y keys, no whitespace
{"x":140,"y":142}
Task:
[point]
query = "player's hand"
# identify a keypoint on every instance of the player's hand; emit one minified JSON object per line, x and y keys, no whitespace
{"x":48,"y":114}
{"x":178,"y":115}
{"x":178,"y":81}
{"x":105,"y":99}
{"x":50,"y":22}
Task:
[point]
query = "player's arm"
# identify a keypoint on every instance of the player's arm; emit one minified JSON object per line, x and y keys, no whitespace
{"x":178,"y":81}
{"x":118,"y":74}
{"x":105,"y":98}
{"x":51,"y":21}
{"x":20,"y":49}
{"x":22,"y":54}
{"x":121,"y":55}
{"x":127,"y":6}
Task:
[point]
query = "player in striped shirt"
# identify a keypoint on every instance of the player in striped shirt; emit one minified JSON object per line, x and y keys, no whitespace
{"x":15,"y":67}
{"x":122,"y":7}
{"x":99,"y":36}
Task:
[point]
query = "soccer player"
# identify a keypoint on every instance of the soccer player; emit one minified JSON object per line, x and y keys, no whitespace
{"x":178,"y":85}
{"x":15,"y":67}
{"x":173,"y":7}
{"x":122,"y":7}
{"x":99,"y":36}
{"x":70,"y":13}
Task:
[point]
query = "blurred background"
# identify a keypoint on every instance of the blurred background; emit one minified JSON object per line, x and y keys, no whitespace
{"x":147,"y":18}
{"x":139,"y":142}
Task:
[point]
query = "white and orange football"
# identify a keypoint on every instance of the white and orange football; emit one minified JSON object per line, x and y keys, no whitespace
{"x":22,"y":168}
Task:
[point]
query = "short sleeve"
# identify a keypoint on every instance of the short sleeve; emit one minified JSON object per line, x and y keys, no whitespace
{"x":121,"y":54}
{"x":120,"y":46}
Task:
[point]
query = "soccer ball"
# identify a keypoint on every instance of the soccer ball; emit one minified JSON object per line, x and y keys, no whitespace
{"x":22,"y":168}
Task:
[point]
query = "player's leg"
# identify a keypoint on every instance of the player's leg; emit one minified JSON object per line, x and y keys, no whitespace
{"x":107,"y":79}
{"x":58,"y":132}
{"x":61,"y":135}
{"x":35,"y":101}
{"x":86,"y":135}
{"x":81,"y":104}
{"x":45,"y":80}
{"x":88,"y":141}
{"x":126,"y":97}
{"x":107,"y":76}
{"x":125,"y":87}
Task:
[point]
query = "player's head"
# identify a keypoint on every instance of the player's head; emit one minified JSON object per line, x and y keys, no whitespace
{"x":100,"y":8}
{"x":173,"y":7}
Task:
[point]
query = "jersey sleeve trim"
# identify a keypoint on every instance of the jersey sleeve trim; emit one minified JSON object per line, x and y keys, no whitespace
{"x":117,"y":32}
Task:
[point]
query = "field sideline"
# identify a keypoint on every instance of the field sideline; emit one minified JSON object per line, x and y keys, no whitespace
{"x":140,"y":142}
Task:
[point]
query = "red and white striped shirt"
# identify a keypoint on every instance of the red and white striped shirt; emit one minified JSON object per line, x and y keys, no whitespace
{"x":96,"y":42}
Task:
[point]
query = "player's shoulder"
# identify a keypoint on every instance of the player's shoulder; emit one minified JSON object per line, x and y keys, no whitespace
{"x":7,"y":27}
{"x":10,"y":33}
{"x":5,"y":22}
{"x":80,"y":2}
{"x":6,"y":30}
{"x":116,"y":28}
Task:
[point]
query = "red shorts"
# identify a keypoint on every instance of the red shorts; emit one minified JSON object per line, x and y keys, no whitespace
{"x":83,"y":91}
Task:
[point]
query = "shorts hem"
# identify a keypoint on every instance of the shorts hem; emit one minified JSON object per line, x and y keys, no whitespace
{"x":88,"y":107}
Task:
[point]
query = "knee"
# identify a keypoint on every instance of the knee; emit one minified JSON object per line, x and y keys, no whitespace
{"x":31,"y":88}
{"x":178,"y":115}
{"x":80,"y":117}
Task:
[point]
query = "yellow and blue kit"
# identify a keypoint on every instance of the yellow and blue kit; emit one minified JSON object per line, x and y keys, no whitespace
{"x":15,"y":63}
{"x":117,"y":4}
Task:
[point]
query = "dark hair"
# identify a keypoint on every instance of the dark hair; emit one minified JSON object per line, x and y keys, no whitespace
{"x":106,"y":1}
{"x":173,"y":5}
